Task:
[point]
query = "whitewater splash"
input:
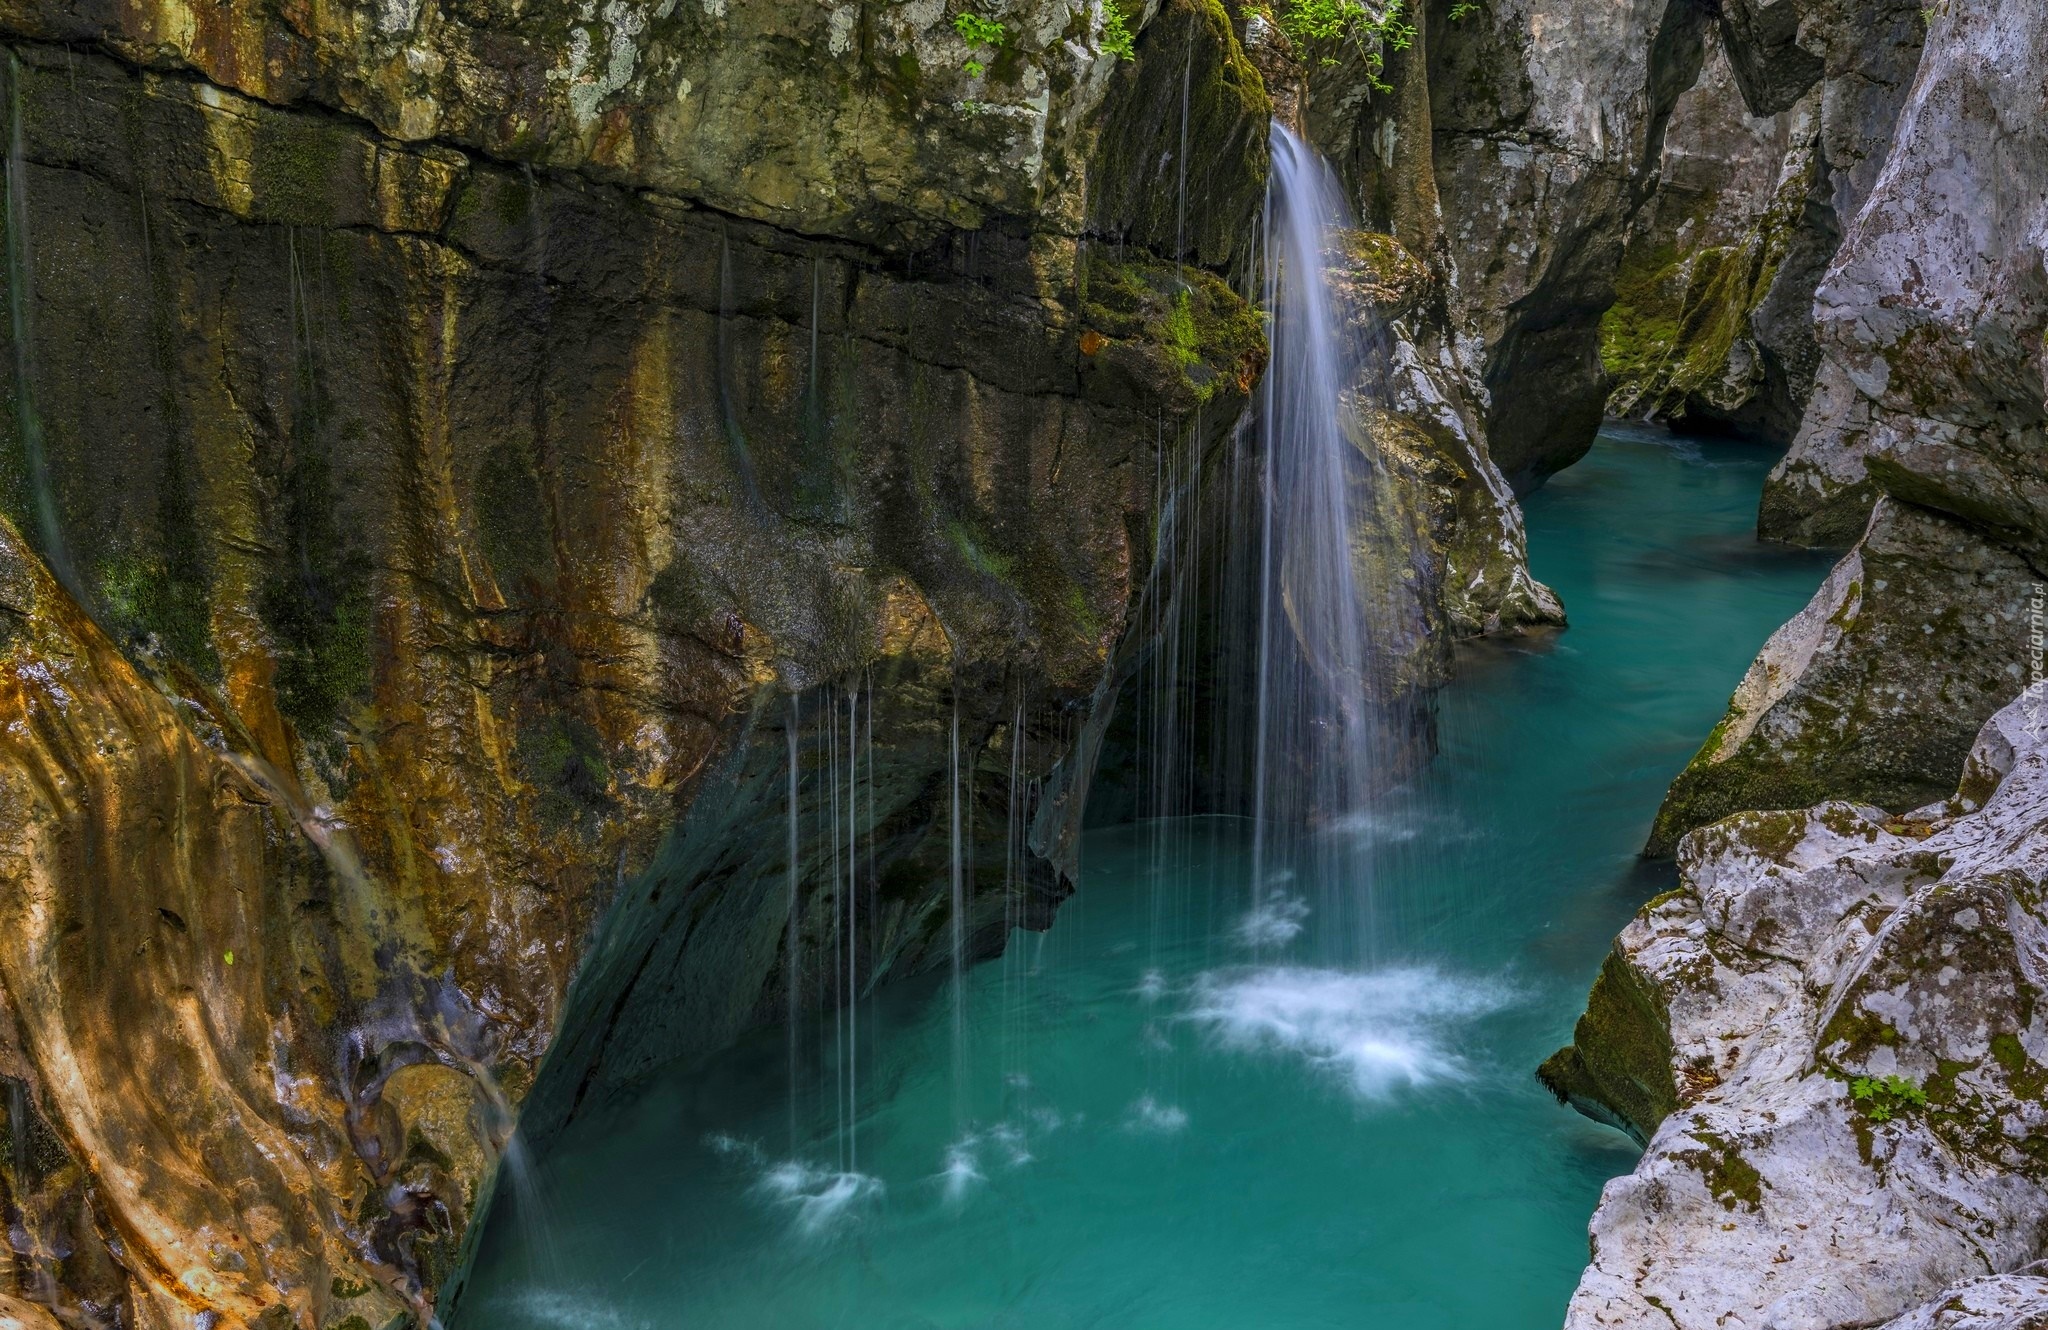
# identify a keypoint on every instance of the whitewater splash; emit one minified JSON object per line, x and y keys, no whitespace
{"x":821,"y":1200}
{"x":1007,"y":1144}
{"x":1380,"y":1032}
{"x":576,"y":1309}
{"x":1148,"y":1114}
{"x":1273,"y":922}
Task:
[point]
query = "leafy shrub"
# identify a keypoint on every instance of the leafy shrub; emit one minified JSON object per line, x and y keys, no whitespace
{"x":978,"y":30}
{"x":1316,"y":25}
{"x":1117,"y":38}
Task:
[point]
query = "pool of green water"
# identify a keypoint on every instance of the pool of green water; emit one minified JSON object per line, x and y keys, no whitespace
{"x":1181,"y":1109}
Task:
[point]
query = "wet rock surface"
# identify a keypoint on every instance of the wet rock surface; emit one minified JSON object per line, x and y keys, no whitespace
{"x":403,"y":541}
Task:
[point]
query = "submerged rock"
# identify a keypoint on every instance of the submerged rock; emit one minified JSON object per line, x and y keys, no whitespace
{"x":1829,"y":1036}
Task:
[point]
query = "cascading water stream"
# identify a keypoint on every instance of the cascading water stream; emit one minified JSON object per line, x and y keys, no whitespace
{"x":1317,"y":746}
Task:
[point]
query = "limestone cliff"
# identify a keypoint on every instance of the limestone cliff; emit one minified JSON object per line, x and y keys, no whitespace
{"x":1937,"y":307}
{"x":1549,"y":122}
{"x":440,"y":442}
{"x":1829,"y":1036}
{"x":1766,"y":160}
{"x":1931,"y":316}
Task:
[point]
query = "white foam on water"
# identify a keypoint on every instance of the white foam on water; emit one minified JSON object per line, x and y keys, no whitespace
{"x":1008,"y":1138}
{"x":1006,"y":1143}
{"x":736,"y":1147}
{"x":1378,"y":825}
{"x":1152,"y":985}
{"x":579,"y":1309}
{"x":1381,"y":1032}
{"x":1148,"y":1114}
{"x":824,"y":1200}
{"x":1050,"y":1119}
{"x":1273,"y":922}
{"x":961,"y":1172}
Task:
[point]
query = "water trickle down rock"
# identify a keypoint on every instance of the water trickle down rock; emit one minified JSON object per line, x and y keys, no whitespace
{"x":407,"y":493}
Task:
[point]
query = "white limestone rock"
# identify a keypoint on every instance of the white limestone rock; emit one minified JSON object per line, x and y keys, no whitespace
{"x":1806,"y":952}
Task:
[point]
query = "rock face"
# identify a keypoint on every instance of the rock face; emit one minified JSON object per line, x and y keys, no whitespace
{"x":1766,"y":159}
{"x":906,"y":130}
{"x":1932,"y":315}
{"x":1549,"y":121}
{"x":1875,"y":690}
{"x":1938,"y":304}
{"x":1831,"y":1038}
{"x":1719,"y":242}
{"x":401,"y":539}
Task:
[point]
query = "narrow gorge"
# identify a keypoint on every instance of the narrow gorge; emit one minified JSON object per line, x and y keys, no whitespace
{"x":919,"y":663}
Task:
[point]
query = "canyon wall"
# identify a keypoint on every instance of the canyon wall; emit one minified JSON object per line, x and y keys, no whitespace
{"x":1828,"y":1035}
{"x":441,"y":443}
{"x":471,"y":471}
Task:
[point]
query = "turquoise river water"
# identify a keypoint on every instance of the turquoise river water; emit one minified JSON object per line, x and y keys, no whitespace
{"x":1178,"y":1111}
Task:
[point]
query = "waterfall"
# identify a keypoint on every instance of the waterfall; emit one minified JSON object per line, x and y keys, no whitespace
{"x":958,"y":921}
{"x":1319,"y":745}
{"x":793,"y":956}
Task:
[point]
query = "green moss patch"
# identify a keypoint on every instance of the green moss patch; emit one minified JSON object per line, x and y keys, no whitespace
{"x":1190,"y":316}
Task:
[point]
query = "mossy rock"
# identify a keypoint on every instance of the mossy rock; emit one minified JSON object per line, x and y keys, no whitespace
{"x":1186,"y":320}
{"x":1618,"y":1067}
{"x":1141,"y":192}
{"x":1374,"y":273}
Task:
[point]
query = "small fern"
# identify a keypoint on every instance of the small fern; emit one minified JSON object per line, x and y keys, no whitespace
{"x":1883,"y":1098}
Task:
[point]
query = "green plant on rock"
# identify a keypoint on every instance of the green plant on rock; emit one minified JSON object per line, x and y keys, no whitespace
{"x":980,"y":32}
{"x":1883,"y":1098}
{"x":1318,"y":25}
{"x":1464,"y":9}
{"x":1117,"y":38}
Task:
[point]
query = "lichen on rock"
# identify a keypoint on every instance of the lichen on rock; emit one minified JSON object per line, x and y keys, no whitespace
{"x":1848,"y":1000}
{"x":1874,"y":691}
